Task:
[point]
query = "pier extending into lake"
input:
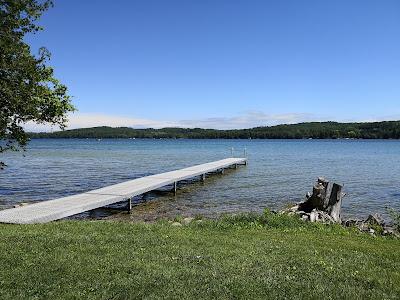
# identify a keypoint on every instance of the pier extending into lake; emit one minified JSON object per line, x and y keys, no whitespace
{"x":51,"y":210}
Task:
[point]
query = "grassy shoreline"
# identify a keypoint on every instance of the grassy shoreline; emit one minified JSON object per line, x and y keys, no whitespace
{"x":241,"y":257}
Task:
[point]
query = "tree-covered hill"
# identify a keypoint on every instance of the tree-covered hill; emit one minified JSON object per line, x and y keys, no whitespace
{"x":315,"y":130}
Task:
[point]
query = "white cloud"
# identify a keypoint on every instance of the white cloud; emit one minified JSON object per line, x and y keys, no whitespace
{"x":382,"y":118}
{"x":248,"y":120}
{"x":82,"y":120}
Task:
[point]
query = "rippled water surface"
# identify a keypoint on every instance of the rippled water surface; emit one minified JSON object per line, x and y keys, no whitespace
{"x":279,"y":171}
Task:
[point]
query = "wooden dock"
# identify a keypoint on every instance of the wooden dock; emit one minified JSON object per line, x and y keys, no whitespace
{"x":51,"y":210}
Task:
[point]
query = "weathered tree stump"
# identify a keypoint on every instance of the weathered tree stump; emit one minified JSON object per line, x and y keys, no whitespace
{"x":335,"y":202}
{"x":325,"y":202}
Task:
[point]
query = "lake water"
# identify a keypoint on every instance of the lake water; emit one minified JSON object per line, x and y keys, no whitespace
{"x":279,"y":172}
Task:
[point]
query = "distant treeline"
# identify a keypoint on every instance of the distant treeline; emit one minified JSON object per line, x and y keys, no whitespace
{"x":315,"y":130}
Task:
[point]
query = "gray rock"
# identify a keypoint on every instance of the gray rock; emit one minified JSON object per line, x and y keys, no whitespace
{"x":351,"y":222}
{"x":305,"y":217}
{"x":300,"y":212}
{"x":314,"y":216}
{"x":176,"y":224}
{"x":187,"y":220}
{"x":325,"y":217}
{"x":375,"y":219}
{"x":288,"y":210}
{"x":389,"y":230}
{"x":363,"y":226}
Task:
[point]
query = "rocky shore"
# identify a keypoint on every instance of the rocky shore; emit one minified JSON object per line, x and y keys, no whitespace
{"x":324,"y":205}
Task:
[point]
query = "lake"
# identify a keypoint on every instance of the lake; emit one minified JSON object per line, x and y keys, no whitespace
{"x":279,"y":172}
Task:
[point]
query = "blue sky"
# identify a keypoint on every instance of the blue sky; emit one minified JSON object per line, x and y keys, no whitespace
{"x":225,"y":64}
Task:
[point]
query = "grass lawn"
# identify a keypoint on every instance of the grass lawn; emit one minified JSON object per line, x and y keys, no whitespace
{"x":244,"y":257}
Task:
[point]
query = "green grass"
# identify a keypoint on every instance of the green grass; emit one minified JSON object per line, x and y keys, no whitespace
{"x":242,"y":257}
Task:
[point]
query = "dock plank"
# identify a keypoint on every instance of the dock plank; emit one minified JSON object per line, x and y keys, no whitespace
{"x":51,"y":210}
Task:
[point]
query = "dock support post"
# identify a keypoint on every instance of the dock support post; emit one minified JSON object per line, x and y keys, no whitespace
{"x":203,"y":177}
{"x":222,"y":171}
{"x":175,"y":187}
{"x":235,"y":166}
{"x":129,"y":204}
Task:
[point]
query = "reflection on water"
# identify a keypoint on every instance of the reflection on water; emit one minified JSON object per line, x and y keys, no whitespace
{"x":279,"y":171}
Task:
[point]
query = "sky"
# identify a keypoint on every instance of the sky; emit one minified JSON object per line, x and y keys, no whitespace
{"x":224,"y":64}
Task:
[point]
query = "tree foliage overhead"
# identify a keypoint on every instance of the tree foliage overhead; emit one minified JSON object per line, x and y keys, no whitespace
{"x":315,"y":130}
{"x":28,"y":90}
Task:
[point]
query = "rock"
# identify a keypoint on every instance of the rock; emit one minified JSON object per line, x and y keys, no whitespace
{"x":176,"y":224}
{"x":187,"y":220}
{"x":300,"y":212}
{"x":305,"y":217}
{"x":375,"y":219}
{"x":288,"y":210}
{"x":324,"y":217}
{"x":389,"y":230}
{"x":351,"y":222}
{"x":314,"y":216}
{"x":363,"y":226}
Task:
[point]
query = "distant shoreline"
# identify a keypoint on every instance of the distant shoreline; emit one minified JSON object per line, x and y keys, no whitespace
{"x":259,"y":139}
{"x":312,"y":130}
